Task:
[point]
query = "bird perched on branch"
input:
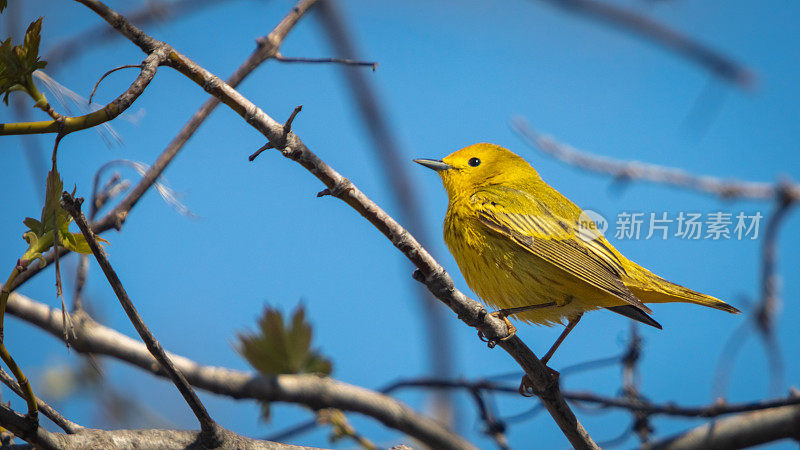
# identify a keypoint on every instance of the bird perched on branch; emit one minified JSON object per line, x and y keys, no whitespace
{"x":528,"y":250}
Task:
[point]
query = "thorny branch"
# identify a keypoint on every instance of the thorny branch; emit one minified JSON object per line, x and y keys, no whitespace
{"x":150,"y":12}
{"x":430,"y":272}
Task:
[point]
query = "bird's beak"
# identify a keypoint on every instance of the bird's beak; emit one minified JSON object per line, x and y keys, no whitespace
{"x":435,"y":164}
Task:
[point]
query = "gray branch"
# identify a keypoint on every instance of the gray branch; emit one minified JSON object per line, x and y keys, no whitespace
{"x":739,"y":431}
{"x":429,"y":271}
{"x":84,"y":438}
{"x":312,"y":391}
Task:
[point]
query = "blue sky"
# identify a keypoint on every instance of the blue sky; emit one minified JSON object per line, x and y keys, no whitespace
{"x":450,"y":74}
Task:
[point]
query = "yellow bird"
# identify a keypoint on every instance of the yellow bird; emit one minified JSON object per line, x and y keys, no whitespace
{"x":528,"y":250}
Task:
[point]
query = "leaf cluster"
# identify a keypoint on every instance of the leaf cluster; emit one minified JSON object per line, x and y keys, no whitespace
{"x":18,"y":63}
{"x":53,"y":225}
{"x":278,"y":348}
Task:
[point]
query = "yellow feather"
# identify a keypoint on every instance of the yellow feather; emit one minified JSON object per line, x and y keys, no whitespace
{"x":518,"y":242}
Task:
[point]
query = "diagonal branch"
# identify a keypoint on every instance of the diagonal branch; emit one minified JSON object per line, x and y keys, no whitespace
{"x":634,"y":170}
{"x":150,"y":12}
{"x":266,"y":47}
{"x":433,"y":275}
{"x":395,"y":169}
{"x":66,"y":425}
{"x":208,"y":426}
{"x":649,"y":29}
{"x":312,"y":391}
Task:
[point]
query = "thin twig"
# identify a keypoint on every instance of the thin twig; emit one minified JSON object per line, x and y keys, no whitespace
{"x":309,"y":390}
{"x":150,"y":12}
{"x":66,"y":425}
{"x":105,"y":114}
{"x":345,"y":61}
{"x":96,"y":85}
{"x":265,"y":49}
{"x":629,"y":21}
{"x":632,"y":170}
{"x":209,"y":427}
{"x":639,"y":405}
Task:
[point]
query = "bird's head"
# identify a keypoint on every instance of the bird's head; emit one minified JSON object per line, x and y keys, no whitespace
{"x":480,"y":165}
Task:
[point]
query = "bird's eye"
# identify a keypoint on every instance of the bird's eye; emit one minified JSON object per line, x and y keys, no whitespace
{"x":474,"y":162}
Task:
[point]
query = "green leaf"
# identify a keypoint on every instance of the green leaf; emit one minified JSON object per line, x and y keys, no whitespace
{"x":54,"y":223}
{"x":18,"y":63}
{"x":3,"y":5}
{"x":278,"y":349}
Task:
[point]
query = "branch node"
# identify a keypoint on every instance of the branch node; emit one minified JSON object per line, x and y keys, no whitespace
{"x":266,"y":146}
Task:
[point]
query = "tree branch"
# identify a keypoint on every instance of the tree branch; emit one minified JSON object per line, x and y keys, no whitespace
{"x":739,"y":431}
{"x":430,"y":272}
{"x":66,"y":425}
{"x":105,"y":114}
{"x":394,"y":164}
{"x":125,"y":439}
{"x":312,"y":391}
{"x":633,"y":170}
{"x":207,"y":424}
{"x":266,"y":48}
{"x":660,"y":34}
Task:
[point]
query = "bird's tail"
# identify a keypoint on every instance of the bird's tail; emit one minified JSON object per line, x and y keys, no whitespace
{"x":651,"y":288}
{"x":671,"y":292}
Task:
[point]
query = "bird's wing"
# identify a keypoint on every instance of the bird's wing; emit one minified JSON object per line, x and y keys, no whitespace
{"x":555,"y":239}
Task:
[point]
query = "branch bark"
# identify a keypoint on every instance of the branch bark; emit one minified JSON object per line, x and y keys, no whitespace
{"x":266,"y":47}
{"x":739,"y":431}
{"x":395,"y":169}
{"x":432,"y":274}
{"x":207,"y":424}
{"x":105,"y":114}
{"x":125,"y":439}
{"x":312,"y":391}
{"x":634,"y":170}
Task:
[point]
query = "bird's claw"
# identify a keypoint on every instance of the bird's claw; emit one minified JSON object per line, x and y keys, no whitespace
{"x":512,"y":330}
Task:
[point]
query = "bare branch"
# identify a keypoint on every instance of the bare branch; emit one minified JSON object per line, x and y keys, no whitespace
{"x":647,"y":28}
{"x":124,"y":439}
{"x":207,"y":424}
{"x":742,"y":430}
{"x":266,"y":48}
{"x":309,"y":390}
{"x":632,"y":170}
{"x":395,"y":166}
{"x":96,"y":85}
{"x":151,"y":12}
{"x":105,"y":114}
{"x":431,"y":273}
{"x":66,"y":425}
{"x":344,"y":61}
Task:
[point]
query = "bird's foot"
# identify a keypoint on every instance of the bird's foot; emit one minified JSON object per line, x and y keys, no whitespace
{"x":512,"y":330}
{"x":527,"y":389}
